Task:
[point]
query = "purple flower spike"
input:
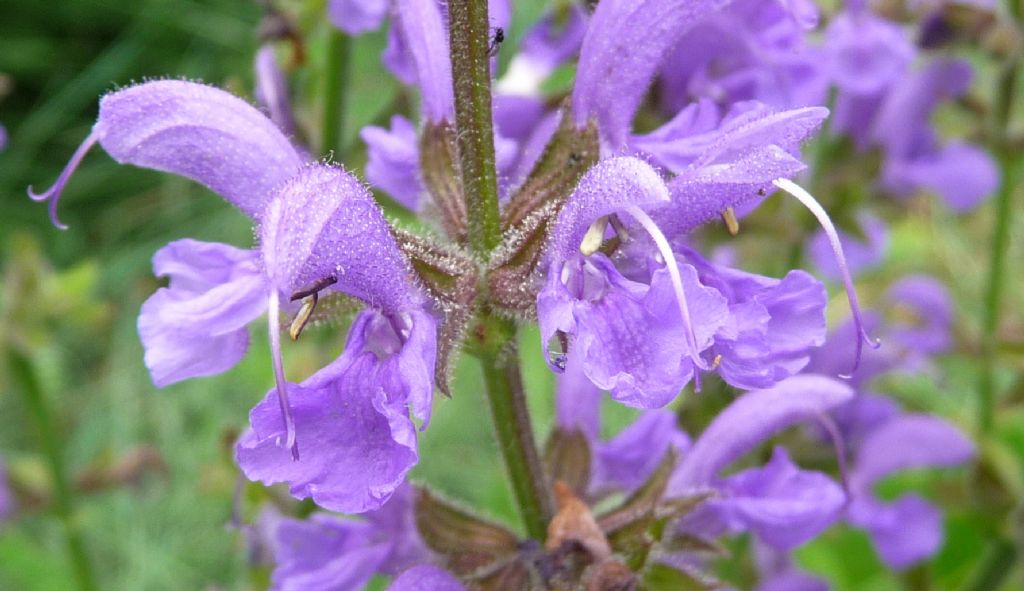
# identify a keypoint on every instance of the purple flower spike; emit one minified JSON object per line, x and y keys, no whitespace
{"x":195,"y":131}
{"x":751,"y":419}
{"x":356,"y":17}
{"x":424,"y":42}
{"x":909,"y":529}
{"x":623,"y":48}
{"x":426,"y":578}
{"x":196,"y":326}
{"x":818,"y":211}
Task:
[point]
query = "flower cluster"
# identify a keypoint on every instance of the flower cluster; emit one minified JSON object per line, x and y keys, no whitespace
{"x":601,"y":194}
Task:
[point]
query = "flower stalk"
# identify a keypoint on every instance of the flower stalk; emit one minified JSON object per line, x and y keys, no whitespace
{"x":469,"y":39}
{"x":1006,"y":85}
{"x":24,"y":376}
{"x":507,"y":399}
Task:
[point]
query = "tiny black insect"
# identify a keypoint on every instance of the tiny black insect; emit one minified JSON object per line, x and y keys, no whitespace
{"x":496,"y":41}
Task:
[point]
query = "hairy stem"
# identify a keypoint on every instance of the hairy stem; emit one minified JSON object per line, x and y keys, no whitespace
{"x":336,"y":69}
{"x":24,"y":376}
{"x":1002,"y":112}
{"x":469,"y":38}
{"x":507,"y":398}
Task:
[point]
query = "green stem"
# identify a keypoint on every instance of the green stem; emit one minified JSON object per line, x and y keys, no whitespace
{"x":24,"y":376}
{"x":1006,"y":85}
{"x":469,"y":37}
{"x":997,"y":564}
{"x":336,"y":83}
{"x":505,"y":393}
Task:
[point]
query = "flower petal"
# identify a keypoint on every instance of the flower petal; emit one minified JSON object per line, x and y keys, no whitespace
{"x":784,"y":505}
{"x":904,"y":532}
{"x":310,"y":231}
{"x":358,"y":441}
{"x":909,"y":441}
{"x":628,"y":459}
{"x":201,"y":133}
{"x":197,"y":325}
{"x":325,"y":553}
{"x":357,"y":16}
{"x":623,"y":48}
{"x":394,"y":161}
{"x":606,"y":188}
{"x":751,"y":419}
{"x":424,"y":42}
{"x":426,"y":578}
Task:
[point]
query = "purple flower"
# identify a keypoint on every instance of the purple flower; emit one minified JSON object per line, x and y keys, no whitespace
{"x":884,"y":441}
{"x":960,"y":173}
{"x":326,"y":552}
{"x":909,"y":529}
{"x":751,"y":50}
{"x":634,"y":330}
{"x":624,"y":344}
{"x":353,"y":412}
{"x":417,"y":53}
{"x":624,"y":45}
{"x":784,"y":505}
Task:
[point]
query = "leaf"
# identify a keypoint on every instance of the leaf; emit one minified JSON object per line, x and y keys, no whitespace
{"x":569,"y":154}
{"x":450,"y":276}
{"x":567,"y":456}
{"x":439,"y":165}
{"x":661,"y":577}
{"x":467,"y":541}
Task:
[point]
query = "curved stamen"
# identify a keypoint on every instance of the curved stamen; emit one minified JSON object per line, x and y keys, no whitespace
{"x":53,"y":193}
{"x":672,"y":266}
{"x":818,"y":211}
{"x":274,"y":327}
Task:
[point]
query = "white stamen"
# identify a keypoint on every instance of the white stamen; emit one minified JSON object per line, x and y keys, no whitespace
{"x":274,"y":327}
{"x":672,"y":266}
{"x":818,"y":211}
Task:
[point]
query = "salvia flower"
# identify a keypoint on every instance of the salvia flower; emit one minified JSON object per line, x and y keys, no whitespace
{"x":784,"y":505}
{"x":306,"y":215}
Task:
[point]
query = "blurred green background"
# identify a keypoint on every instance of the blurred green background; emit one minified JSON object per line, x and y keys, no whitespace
{"x":152,"y":478}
